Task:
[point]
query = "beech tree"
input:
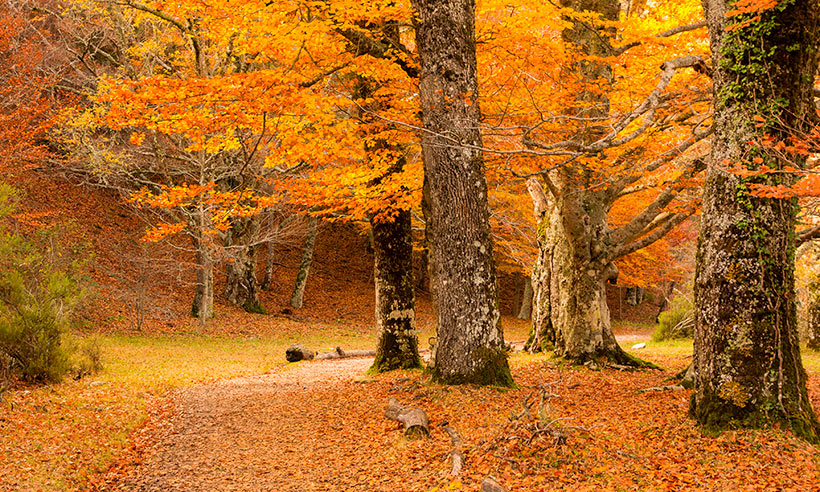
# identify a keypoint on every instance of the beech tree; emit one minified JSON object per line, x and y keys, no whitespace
{"x":470,"y":344}
{"x":598,"y":127}
{"x":748,"y":370}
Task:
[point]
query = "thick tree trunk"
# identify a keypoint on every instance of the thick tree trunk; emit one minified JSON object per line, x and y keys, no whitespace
{"x":748,"y":370}
{"x":398,"y":344}
{"x":298,"y":295}
{"x":542,"y":334}
{"x":576,"y":237}
{"x":580,"y":314}
{"x":241,"y":286}
{"x":203,"y":304}
{"x":470,"y":343}
{"x":526,"y":300}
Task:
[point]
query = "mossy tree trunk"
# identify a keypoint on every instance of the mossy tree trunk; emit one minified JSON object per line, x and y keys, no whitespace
{"x":241,"y":285}
{"x":392,"y":242}
{"x":397,"y":346}
{"x":470,"y":344}
{"x":748,"y":370}
{"x":298,"y":295}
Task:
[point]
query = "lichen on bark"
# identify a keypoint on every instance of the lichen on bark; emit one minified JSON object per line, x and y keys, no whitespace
{"x":748,"y":370}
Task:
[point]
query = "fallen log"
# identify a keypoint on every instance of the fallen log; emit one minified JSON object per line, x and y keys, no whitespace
{"x":297,"y":352}
{"x":490,"y":485}
{"x":341,"y":354}
{"x":456,"y":455}
{"x":415,"y":420}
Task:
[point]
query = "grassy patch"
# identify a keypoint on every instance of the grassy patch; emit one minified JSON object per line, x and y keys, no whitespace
{"x":55,"y":437}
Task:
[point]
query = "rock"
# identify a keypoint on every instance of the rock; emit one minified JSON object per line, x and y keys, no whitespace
{"x":639,"y":345}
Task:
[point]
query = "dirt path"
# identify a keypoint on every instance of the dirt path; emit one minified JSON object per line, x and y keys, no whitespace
{"x":270,"y":432}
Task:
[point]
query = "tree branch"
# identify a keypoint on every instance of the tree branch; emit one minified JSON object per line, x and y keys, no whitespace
{"x":665,"y":34}
{"x":641,"y":223}
{"x":663,"y":228}
{"x":807,"y":235}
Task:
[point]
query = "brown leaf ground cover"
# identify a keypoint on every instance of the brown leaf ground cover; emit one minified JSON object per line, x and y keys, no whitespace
{"x":312,"y":428}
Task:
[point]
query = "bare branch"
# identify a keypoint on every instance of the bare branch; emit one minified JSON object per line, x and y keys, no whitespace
{"x":664,"y":227}
{"x":665,"y":34}
{"x":807,"y":235}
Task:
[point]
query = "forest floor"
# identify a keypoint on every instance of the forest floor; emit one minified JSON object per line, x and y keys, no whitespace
{"x":194,"y":412}
{"x":319,"y":426}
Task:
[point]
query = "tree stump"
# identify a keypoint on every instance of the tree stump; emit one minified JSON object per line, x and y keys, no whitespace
{"x":415,"y":420}
{"x":490,"y":485}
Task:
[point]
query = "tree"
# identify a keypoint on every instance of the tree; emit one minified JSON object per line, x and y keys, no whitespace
{"x":470,"y":344}
{"x":588,"y":137}
{"x":214,"y":118}
{"x":748,"y":370}
{"x":26,"y":107}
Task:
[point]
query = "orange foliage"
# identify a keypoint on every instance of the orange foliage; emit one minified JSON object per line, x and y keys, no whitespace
{"x":25,"y":105}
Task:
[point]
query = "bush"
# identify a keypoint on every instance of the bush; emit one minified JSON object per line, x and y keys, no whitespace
{"x":676,"y":322}
{"x":39,"y":288}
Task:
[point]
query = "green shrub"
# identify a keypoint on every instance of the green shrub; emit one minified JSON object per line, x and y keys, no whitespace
{"x":39,"y":289}
{"x":676,"y":322}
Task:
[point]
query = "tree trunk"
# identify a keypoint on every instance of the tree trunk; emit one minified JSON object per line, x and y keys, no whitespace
{"x":526,"y":300}
{"x":398,"y":344}
{"x":542,"y":335}
{"x":667,"y":296}
{"x":577,"y":234}
{"x":270,"y":256}
{"x":578,"y":308}
{"x":748,"y":370}
{"x":426,"y":281}
{"x":203,"y":304}
{"x":241,"y":286}
{"x":470,"y":343}
{"x":813,"y":318}
{"x":304,"y":266}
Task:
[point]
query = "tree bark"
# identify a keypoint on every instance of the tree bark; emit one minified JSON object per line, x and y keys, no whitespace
{"x":542,"y":335}
{"x":414,"y":419}
{"x":576,"y":247}
{"x":241,"y":286}
{"x":270,"y":256}
{"x":526,"y":300}
{"x":298,"y":295}
{"x":813,"y":318}
{"x":203,"y":303}
{"x":579,"y":312}
{"x":398,"y":343}
{"x":470,"y":343}
{"x":748,"y":370}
